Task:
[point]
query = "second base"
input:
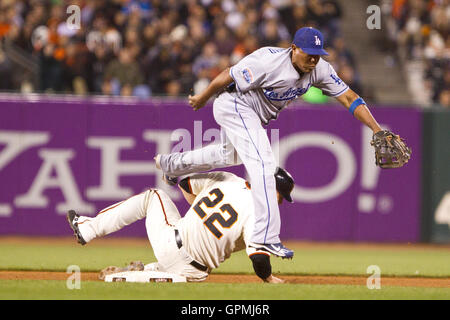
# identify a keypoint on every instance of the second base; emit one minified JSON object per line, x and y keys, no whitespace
{"x":144,"y":276}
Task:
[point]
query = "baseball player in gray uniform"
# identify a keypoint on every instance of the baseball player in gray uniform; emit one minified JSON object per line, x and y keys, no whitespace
{"x":250,"y":94}
{"x":219,"y":222}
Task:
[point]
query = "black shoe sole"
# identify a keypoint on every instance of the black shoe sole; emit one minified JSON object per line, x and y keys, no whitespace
{"x":171,"y":181}
{"x":71,"y":215}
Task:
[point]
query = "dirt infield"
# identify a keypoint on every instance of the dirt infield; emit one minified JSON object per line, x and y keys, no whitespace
{"x":234,"y":278}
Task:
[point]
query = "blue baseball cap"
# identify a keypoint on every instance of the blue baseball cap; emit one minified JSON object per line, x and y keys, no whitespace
{"x":310,"y":40}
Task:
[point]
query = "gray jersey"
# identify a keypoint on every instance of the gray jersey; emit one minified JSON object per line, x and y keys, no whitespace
{"x":267,"y":81}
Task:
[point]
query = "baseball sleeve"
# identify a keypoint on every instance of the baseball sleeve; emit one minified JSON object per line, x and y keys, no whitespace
{"x":249,"y":72}
{"x":328,"y":80}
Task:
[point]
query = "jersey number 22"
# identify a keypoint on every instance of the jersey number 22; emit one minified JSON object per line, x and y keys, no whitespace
{"x":216,"y":216}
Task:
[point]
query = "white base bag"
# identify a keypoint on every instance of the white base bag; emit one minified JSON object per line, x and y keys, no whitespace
{"x":144,"y":276}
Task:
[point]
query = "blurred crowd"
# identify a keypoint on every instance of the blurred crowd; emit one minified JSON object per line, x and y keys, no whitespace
{"x":152,"y":47}
{"x":421,"y":31}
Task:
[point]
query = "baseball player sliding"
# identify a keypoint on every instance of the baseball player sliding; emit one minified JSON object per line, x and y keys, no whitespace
{"x":252,"y":93}
{"x":219,"y":222}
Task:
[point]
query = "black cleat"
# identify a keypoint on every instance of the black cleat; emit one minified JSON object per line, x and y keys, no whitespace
{"x":171,"y":181}
{"x":72,"y":217}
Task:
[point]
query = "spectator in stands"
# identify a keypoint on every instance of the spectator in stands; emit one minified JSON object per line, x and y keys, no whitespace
{"x":245,"y":45}
{"x":6,"y":72}
{"x":207,"y":60}
{"x":142,"y":47}
{"x":100,"y":60}
{"x":347,"y":74}
{"x":124,"y":70}
{"x":269,"y":35}
{"x":444,"y":98}
{"x":224,"y":41}
{"x":78,"y":68}
{"x":422,"y":32}
{"x":50,"y":69}
{"x":344,"y":55}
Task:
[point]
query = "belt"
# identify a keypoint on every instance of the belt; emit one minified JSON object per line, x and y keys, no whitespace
{"x":193,"y":263}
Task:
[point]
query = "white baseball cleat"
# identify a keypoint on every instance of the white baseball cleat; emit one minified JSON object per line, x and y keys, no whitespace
{"x":278,"y":249}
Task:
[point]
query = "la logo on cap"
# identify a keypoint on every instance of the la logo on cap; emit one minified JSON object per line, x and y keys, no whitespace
{"x":317,"y":40}
{"x":310,"y":40}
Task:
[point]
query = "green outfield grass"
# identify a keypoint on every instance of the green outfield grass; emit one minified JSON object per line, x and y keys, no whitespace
{"x":424,"y":262}
{"x":315,"y":260}
{"x":46,"y":289}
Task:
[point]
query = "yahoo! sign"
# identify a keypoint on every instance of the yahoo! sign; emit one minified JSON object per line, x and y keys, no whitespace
{"x":85,"y":155}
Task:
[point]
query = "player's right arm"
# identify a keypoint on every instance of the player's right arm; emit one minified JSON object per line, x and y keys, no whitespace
{"x":263,"y":268}
{"x":221,"y":81}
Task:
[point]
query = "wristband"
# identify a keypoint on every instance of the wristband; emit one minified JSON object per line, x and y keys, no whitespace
{"x":355,"y":105}
{"x":261,"y":265}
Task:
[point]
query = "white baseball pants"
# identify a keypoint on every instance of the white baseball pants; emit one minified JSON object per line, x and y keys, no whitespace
{"x":160,"y":215}
{"x":243,"y":140}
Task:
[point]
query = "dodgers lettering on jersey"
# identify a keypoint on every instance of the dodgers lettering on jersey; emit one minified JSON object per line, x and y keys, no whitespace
{"x":220,"y":220}
{"x":267,"y":81}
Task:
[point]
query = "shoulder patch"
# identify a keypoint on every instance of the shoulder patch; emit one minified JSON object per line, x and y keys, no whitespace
{"x":247,"y":74}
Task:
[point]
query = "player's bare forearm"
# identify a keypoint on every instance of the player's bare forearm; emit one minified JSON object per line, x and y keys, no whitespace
{"x":362,"y":113}
{"x":222,"y":80}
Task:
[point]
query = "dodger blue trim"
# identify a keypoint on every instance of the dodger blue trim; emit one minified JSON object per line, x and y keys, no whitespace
{"x":356,"y":104}
{"x":339,"y":93}
{"x":262,"y":162}
{"x":232,"y":76}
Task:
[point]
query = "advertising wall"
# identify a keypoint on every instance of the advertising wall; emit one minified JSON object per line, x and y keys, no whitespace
{"x":86,"y":155}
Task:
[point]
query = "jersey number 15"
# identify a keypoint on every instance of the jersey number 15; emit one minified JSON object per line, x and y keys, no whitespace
{"x":216,"y":216}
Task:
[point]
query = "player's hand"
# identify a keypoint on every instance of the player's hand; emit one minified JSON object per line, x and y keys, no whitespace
{"x":273,"y":279}
{"x":109,"y":270}
{"x":196,"y":102}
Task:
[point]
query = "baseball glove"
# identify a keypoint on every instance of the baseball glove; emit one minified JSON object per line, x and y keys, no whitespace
{"x":390,"y":150}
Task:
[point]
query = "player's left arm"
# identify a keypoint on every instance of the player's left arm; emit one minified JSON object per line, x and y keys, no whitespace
{"x":359,"y":109}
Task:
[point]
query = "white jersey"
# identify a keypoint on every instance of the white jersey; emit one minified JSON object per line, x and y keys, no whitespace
{"x":267,"y":81}
{"x":220,"y":220}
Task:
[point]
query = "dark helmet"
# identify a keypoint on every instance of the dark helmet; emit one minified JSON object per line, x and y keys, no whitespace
{"x":285,"y":183}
